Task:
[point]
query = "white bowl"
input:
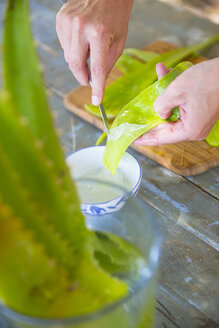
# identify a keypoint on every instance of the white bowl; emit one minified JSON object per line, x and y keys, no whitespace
{"x":100,"y":192}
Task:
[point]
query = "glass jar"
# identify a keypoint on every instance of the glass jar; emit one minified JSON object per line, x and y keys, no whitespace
{"x":135,"y":223}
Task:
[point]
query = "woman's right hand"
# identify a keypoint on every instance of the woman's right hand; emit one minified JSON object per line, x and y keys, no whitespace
{"x":97,"y":28}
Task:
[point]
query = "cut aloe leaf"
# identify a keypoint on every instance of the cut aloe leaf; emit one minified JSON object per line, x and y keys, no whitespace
{"x":128,"y":86}
{"x":138,"y":117}
{"x":213,"y":137}
{"x":116,"y":255}
{"x":127,"y":64}
{"x":101,"y":138}
{"x":143,"y":55}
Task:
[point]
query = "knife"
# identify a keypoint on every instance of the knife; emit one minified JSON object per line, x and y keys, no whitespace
{"x":102,"y":110}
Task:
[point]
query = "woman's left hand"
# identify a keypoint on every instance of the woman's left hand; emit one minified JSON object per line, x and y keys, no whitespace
{"x":196,"y":92}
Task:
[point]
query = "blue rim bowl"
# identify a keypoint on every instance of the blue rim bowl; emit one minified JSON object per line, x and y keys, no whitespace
{"x":100,"y":192}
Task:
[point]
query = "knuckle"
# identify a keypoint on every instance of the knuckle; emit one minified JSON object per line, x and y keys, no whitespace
{"x":98,"y":70}
{"x":75,"y":66}
{"x":78,"y":24}
{"x":98,"y":31}
{"x":195,"y":135}
{"x":59,"y":17}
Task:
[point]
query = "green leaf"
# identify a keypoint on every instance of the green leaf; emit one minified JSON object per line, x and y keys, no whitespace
{"x":24,"y":82}
{"x":127,"y":64}
{"x":138,"y":117}
{"x":213,"y":137}
{"x":143,"y":55}
{"x":101,"y":138}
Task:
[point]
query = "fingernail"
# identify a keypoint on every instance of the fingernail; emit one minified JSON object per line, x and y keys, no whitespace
{"x":96,"y":100}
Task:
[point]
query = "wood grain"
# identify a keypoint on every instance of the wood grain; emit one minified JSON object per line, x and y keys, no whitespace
{"x":184,"y":158}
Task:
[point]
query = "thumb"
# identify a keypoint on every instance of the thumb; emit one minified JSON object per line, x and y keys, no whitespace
{"x":170,"y":98}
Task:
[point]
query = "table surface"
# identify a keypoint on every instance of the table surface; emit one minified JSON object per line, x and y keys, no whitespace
{"x":187,"y":209}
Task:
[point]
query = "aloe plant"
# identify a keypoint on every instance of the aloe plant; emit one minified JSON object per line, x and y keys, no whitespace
{"x":47,"y":263}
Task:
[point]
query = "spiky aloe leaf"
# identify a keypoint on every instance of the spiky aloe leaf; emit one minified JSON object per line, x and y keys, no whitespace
{"x":31,"y":282}
{"x":38,"y":176}
{"x":23,"y":80}
{"x":128,"y":86}
{"x":28,"y":279}
{"x":14,"y":194}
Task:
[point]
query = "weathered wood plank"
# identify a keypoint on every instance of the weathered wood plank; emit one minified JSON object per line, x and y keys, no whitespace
{"x":208,"y":181}
{"x":175,"y":311}
{"x":183,"y":202}
{"x":189,"y":268}
{"x":74,"y":132}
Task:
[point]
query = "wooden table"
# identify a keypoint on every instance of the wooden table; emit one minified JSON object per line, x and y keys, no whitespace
{"x":187,"y":209}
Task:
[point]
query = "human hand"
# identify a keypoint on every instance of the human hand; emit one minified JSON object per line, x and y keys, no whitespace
{"x":196,"y":92}
{"x":97,"y":28}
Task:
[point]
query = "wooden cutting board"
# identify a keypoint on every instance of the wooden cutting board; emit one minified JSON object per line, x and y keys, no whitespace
{"x":185,"y":158}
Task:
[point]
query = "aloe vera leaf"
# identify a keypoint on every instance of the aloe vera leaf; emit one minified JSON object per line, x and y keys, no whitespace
{"x":116,"y":255}
{"x":101,"y":138}
{"x":60,"y":210}
{"x":42,"y":297}
{"x":127,"y":64}
{"x":28,"y":279}
{"x":17,"y":197}
{"x":143,"y":55}
{"x":31,"y":282}
{"x":128,"y":86}
{"x":136,"y":118}
{"x":23,"y":80}
{"x":38,"y":178}
{"x":213,"y":137}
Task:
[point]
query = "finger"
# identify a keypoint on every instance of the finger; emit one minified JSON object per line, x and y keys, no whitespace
{"x":66,"y":37}
{"x":173,"y":96}
{"x":64,"y":29}
{"x":59,"y":29}
{"x":78,"y":55}
{"x":98,"y":60}
{"x":161,"y":70}
{"x":164,"y":134}
{"x":115,"y":52}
